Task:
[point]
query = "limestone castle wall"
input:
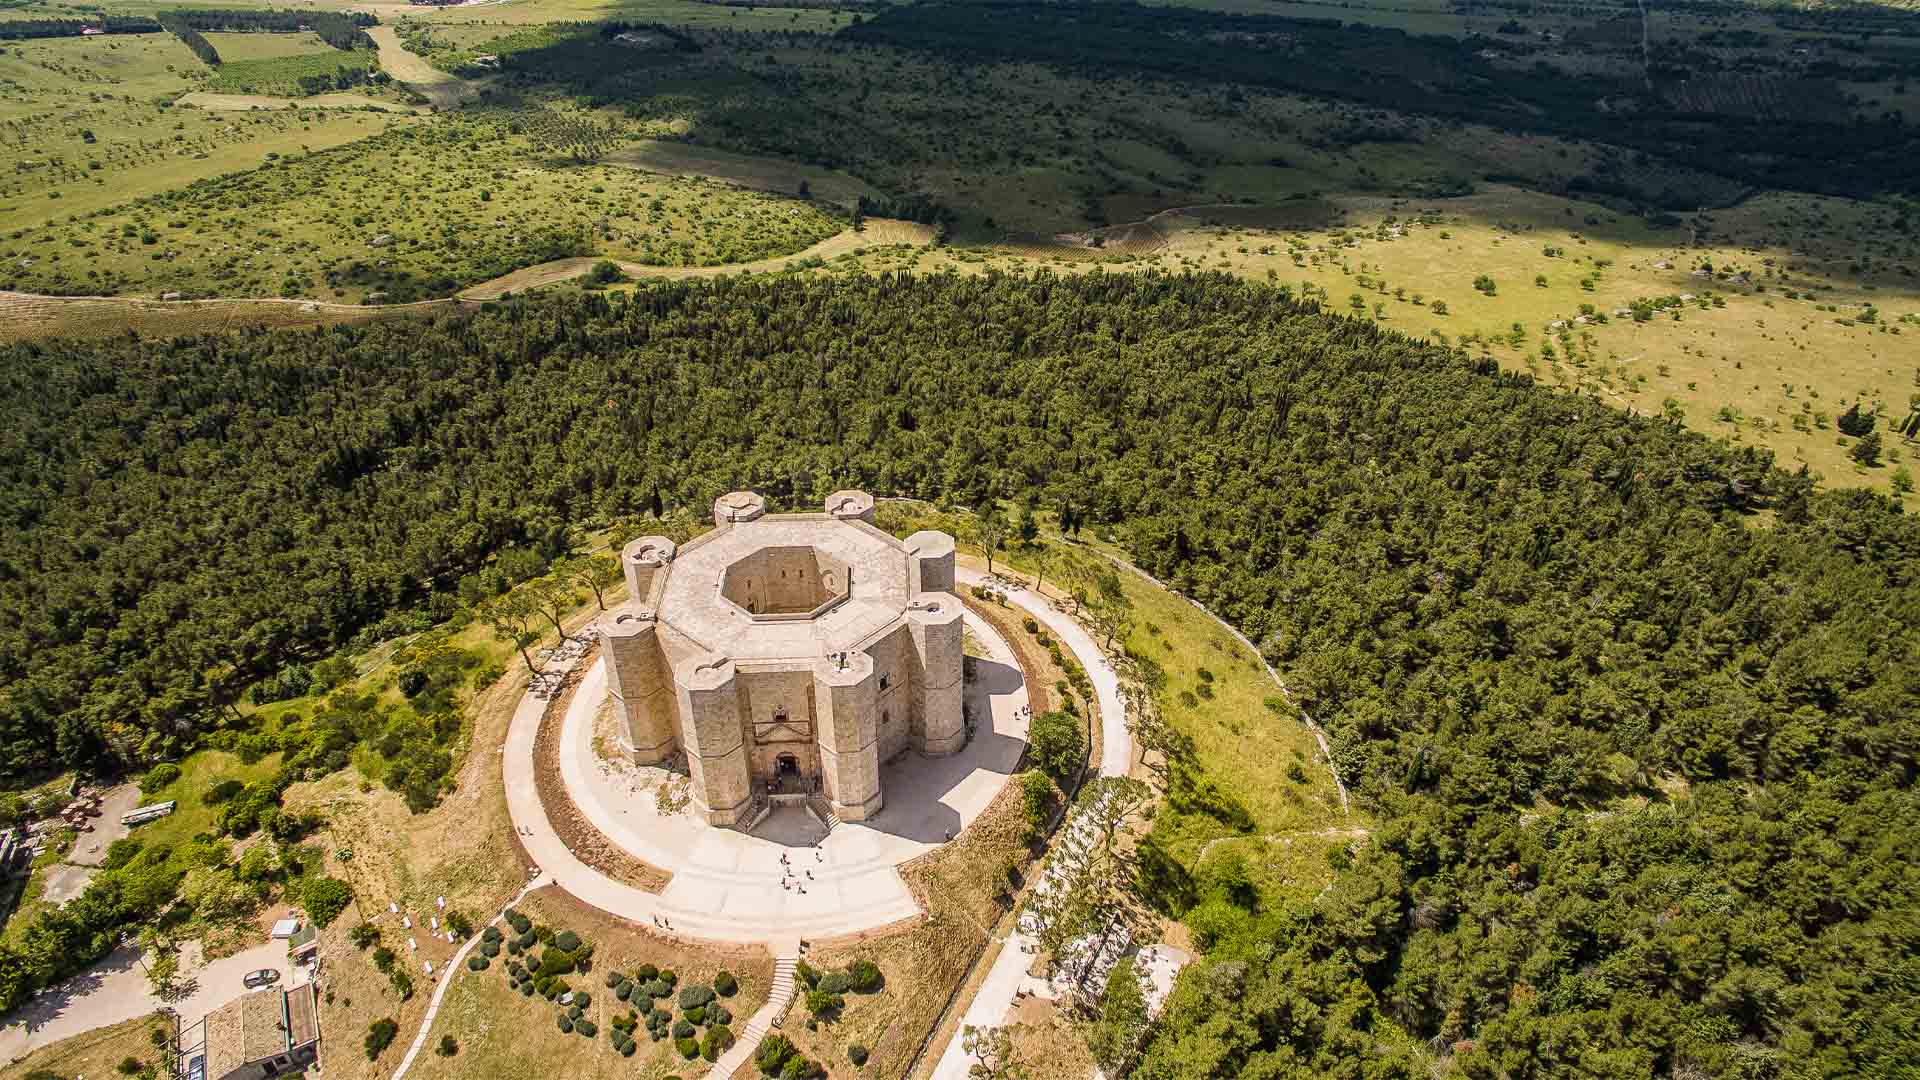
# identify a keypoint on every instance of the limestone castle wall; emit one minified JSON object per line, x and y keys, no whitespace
{"x":841,"y":688}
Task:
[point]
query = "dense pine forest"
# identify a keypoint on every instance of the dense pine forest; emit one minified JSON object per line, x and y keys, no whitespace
{"x":1635,"y":710}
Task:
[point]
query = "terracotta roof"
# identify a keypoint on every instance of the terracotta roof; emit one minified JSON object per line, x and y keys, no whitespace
{"x":303,"y":1016}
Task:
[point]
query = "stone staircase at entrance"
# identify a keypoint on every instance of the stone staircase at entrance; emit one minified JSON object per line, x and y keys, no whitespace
{"x":823,"y":812}
{"x":786,"y":960}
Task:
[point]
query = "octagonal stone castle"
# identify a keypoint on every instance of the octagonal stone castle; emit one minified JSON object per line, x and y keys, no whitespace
{"x":787,"y":654}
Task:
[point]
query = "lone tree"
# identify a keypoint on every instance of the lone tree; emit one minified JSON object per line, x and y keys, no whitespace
{"x":991,"y":1050}
{"x":512,"y":618}
{"x":552,"y":597}
{"x":989,"y":531}
{"x":1867,"y":451}
{"x":596,"y":572}
{"x":1856,"y":423}
{"x":1056,"y":743}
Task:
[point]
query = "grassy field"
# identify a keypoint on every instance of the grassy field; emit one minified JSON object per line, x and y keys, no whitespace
{"x":88,"y":123}
{"x":283,"y":74}
{"x":403,"y":216}
{"x":502,"y":1033}
{"x":96,"y":1053}
{"x":236,"y":48}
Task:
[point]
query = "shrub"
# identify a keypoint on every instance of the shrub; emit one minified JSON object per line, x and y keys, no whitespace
{"x":719,"y":1014}
{"x":363,"y":935}
{"x":658,"y":989}
{"x":646,"y":973}
{"x":402,"y":983}
{"x":513,"y":947}
{"x":696,"y":1015}
{"x":667,"y":976}
{"x":526,"y":988}
{"x":491,"y":949}
{"x":491,"y":935}
{"x":824,"y":1004}
{"x":586,"y":1027}
{"x":857,"y":1054}
{"x":626,"y":1047}
{"x":804,"y":971}
{"x":476,"y":963}
{"x":567,"y":941}
{"x":222,"y":792}
{"x":1055,"y":741}
{"x":799,"y":1068}
{"x":725,"y":984}
{"x":380,"y":1035}
{"x":774,"y":1051}
{"x":527,"y":939}
{"x":447,"y":1047}
{"x":566,"y":1023}
{"x":623,"y":991}
{"x":520,"y":923}
{"x":865,"y":977}
{"x":582,"y":1000}
{"x":718,"y":1040}
{"x":128,"y":1066}
{"x":693,"y":995}
{"x":688,"y":1048}
{"x":556,"y":962}
{"x":682,"y":1029}
{"x":383,"y":959}
{"x":612,"y":980}
{"x":834,"y":982}
{"x":159,"y":776}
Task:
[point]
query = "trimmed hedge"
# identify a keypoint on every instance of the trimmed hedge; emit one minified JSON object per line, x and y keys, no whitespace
{"x":864,"y":977}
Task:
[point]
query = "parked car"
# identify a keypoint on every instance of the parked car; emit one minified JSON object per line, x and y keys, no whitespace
{"x":264,"y":977}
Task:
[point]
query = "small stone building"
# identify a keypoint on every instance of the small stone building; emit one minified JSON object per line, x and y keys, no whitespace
{"x":787,"y":654}
{"x":261,"y":1034}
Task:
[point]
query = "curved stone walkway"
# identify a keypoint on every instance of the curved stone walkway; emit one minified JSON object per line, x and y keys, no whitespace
{"x":995,"y":996}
